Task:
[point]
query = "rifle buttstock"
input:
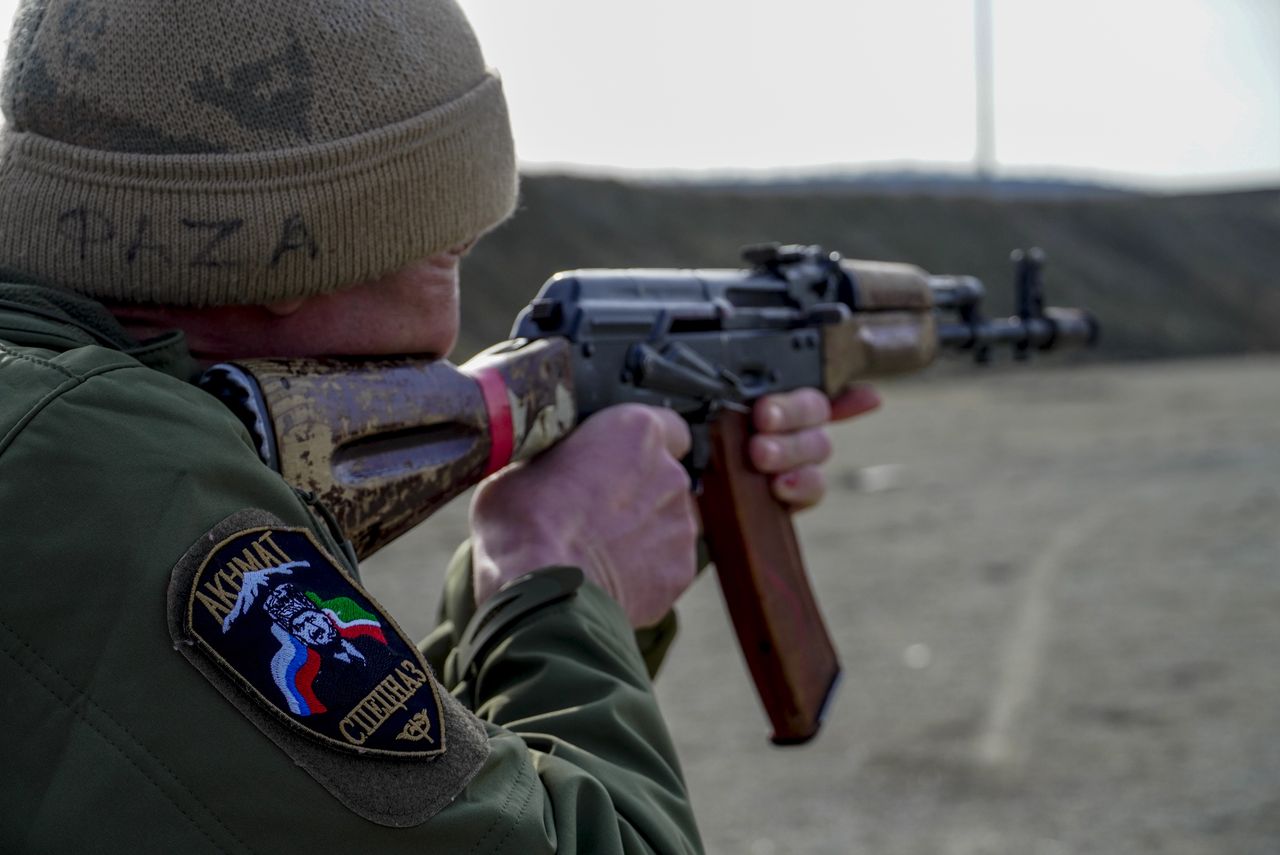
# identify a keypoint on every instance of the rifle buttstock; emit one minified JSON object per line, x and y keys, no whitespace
{"x":384,"y":443}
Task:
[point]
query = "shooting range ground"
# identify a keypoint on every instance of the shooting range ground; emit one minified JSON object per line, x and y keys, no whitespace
{"x":1056,"y":593}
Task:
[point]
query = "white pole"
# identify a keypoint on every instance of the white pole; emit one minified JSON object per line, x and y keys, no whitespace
{"x":985,"y":150}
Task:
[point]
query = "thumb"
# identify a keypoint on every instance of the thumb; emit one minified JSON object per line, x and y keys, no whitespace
{"x":675,"y":431}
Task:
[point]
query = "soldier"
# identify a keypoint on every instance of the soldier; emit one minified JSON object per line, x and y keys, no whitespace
{"x":189,"y":662}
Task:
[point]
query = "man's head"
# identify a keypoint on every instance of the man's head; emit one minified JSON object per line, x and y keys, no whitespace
{"x":293,"y":612}
{"x":233,"y":152}
{"x":313,"y":628}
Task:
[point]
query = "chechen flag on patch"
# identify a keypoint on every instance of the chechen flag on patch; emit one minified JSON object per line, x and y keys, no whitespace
{"x":351,"y":620}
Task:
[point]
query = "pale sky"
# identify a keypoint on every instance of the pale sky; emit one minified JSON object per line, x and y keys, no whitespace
{"x":1165,"y":93}
{"x":1159,"y":93}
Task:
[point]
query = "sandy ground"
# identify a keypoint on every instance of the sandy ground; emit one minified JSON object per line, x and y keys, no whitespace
{"x":1057,"y":601}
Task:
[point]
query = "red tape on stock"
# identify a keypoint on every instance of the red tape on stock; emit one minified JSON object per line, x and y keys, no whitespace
{"x":498,"y":404}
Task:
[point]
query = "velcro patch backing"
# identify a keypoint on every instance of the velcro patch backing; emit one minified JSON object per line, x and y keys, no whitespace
{"x":309,"y":657}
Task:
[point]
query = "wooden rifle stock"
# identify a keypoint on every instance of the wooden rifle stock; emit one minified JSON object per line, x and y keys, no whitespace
{"x":780,"y":628}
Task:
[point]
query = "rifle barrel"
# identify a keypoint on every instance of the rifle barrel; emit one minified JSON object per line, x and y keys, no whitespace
{"x":1058,"y":327}
{"x":956,"y":292}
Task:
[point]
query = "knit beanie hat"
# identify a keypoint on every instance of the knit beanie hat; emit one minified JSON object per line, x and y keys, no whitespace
{"x":212,"y":152}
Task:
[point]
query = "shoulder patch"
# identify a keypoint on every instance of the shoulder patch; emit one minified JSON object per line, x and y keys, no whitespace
{"x":276,"y":612}
{"x":313,"y":660}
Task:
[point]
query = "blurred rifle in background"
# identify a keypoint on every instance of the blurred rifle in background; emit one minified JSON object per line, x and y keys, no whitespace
{"x":384,"y":443}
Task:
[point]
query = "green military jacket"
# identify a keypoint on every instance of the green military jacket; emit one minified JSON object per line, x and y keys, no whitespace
{"x":123,"y":490}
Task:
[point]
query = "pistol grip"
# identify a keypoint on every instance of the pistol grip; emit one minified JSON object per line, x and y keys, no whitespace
{"x":753,"y":545}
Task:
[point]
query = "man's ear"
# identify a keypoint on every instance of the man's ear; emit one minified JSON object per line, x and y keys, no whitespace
{"x":284,"y":308}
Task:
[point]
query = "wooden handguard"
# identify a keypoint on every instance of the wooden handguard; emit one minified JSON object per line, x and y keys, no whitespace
{"x":754,"y":547}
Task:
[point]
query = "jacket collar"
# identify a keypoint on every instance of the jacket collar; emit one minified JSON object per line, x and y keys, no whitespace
{"x":36,"y":316}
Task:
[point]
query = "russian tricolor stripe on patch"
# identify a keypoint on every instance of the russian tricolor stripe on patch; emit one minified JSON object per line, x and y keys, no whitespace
{"x":294,"y":668}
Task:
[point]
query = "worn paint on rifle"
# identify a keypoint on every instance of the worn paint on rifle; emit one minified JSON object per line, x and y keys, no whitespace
{"x":546,"y":426}
{"x":356,"y":435}
{"x":539,"y":392}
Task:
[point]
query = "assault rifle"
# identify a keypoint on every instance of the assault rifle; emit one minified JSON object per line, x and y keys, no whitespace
{"x":384,"y":443}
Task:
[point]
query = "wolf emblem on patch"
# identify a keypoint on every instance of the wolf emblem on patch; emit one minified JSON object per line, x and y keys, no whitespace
{"x":273,"y":609}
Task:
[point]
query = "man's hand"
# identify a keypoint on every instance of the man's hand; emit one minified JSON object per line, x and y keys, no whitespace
{"x":791,"y":443}
{"x":612,"y":499}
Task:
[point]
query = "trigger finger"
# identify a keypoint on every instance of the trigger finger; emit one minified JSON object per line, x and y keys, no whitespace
{"x":854,"y":401}
{"x":794,"y":410}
